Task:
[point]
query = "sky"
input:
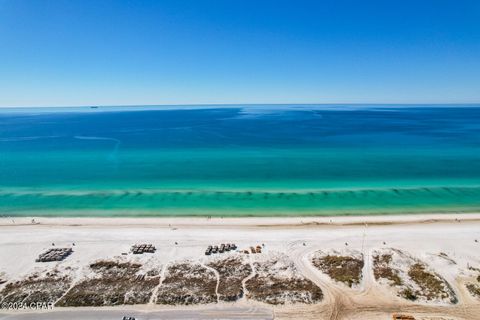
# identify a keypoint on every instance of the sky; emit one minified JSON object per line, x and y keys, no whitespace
{"x":83,"y":52}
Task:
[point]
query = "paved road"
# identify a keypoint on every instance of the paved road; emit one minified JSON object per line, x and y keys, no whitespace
{"x":203,"y":314}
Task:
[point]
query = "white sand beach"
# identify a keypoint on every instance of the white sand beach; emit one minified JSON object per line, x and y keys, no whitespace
{"x":447,"y":245}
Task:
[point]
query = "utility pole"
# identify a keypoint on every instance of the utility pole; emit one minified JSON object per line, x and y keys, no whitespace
{"x":363,"y":239}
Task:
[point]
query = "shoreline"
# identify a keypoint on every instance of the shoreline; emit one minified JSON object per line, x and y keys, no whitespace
{"x":290,"y":221}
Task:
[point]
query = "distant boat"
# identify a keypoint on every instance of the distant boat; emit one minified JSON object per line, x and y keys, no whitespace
{"x":93,"y":107}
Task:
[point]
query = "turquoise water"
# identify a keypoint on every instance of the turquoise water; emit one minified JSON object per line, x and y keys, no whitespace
{"x":240,"y":160}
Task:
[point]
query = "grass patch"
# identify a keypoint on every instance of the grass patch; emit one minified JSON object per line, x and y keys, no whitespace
{"x":411,"y":277}
{"x":232,"y":271}
{"x":187,"y":283}
{"x":112,"y":265}
{"x":408,"y":294}
{"x":36,"y":288}
{"x":276,"y":282}
{"x":280,"y":291}
{"x":431,"y":286}
{"x":382,"y":269}
{"x":116,"y":283}
{"x":474,"y":289}
{"x":344,"y":269}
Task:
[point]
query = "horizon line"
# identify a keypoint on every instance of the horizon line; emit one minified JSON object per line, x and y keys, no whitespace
{"x":244,"y":104}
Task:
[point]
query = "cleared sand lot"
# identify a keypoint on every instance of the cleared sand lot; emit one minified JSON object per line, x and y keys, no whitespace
{"x":309,"y":268}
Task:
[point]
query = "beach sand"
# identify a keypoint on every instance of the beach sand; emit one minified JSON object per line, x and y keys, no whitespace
{"x":424,"y":237}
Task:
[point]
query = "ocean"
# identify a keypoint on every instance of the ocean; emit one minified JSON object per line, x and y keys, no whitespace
{"x":253,"y":160}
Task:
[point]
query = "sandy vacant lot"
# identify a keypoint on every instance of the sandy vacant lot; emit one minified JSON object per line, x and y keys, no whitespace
{"x":419,"y":265}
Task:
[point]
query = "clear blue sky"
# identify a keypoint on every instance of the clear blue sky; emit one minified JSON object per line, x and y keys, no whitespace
{"x":185,"y":52}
